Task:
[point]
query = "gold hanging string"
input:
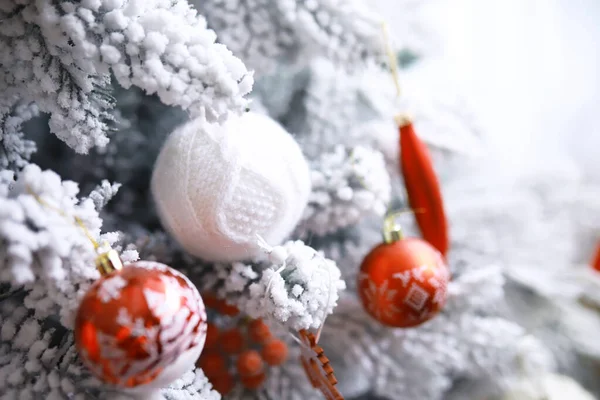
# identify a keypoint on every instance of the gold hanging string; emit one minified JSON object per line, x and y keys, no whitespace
{"x":78,"y":221}
{"x":106,"y":262}
{"x":392,"y":231}
{"x":392,"y":59}
{"x":400,"y":119}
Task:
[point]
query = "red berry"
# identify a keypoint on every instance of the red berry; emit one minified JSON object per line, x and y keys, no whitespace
{"x":259,"y":331}
{"x":275,"y":352}
{"x":223,"y":384}
{"x":249,"y":363}
{"x":213,"y":302}
{"x":210,"y":300}
{"x":227,"y":309}
{"x":212,"y":336}
{"x":232,"y":341}
{"x":213,"y":364}
{"x":253,"y":382}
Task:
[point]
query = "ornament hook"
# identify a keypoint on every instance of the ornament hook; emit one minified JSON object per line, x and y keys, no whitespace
{"x":400,"y":119}
{"x":109,"y":262}
{"x":392,"y":230}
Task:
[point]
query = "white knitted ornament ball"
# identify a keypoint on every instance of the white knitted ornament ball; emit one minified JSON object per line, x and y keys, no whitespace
{"x":217,"y":187}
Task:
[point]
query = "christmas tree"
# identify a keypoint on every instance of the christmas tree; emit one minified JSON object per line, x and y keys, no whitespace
{"x":252,"y":147}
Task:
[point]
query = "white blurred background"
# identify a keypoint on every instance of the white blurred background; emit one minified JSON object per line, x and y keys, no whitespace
{"x":529,"y":68}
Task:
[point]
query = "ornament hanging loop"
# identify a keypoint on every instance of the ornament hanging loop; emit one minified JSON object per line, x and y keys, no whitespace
{"x":392,"y":230}
{"x":400,"y":119}
{"x":403,"y":120}
{"x":392,"y":59}
{"x":78,"y":221}
{"x":106,"y":262}
{"x":109,"y":262}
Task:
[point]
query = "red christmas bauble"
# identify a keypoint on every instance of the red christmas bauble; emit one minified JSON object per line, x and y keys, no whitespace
{"x":141,"y":327}
{"x":403,"y":283}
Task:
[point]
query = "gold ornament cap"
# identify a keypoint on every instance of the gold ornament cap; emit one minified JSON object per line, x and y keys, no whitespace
{"x":392,"y":230}
{"x":109,"y":262}
{"x":403,"y":119}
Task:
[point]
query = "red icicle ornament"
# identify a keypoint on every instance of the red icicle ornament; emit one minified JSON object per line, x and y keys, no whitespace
{"x":422,"y":187}
{"x":420,"y":180}
{"x":596,"y":260}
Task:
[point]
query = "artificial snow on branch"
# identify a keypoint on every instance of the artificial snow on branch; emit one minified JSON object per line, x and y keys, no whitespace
{"x":253,"y":30}
{"x":347,"y":31}
{"x":327,"y":88}
{"x":193,"y":385}
{"x":36,"y":362}
{"x":103,"y":193}
{"x":264,"y":33}
{"x":143,"y":122}
{"x":295,"y":286}
{"x":467,"y":347}
{"x":15,"y":150}
{"x":60,"y":55}
{"x":543,"y":238}
{"x":348,"y":184}
{"x":42,"y":248}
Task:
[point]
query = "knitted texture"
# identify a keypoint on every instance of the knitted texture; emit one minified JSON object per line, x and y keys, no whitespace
{"x":217,"y":187}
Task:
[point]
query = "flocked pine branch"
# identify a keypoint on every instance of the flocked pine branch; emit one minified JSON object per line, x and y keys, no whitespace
{"x":253,"y":30}
{"x":518,"y":220}
{"x":103,"y":193}
{"x":348,"y":184}
{"x":347,"y":31}
{"x":61,"y":54}
{"x":193,"y":385}
{"x":29,"y":357}
{"x":41,"y":247}
{"x":15,"y":150}
{"x":487,"y":349}
{"x":144,"y":122}
{"x":328,"y":88}
{"x":267,"y":32}
{"x":295,"y":286}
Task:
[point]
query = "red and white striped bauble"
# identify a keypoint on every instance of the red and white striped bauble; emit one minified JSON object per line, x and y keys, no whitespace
{"x":141,"y":327}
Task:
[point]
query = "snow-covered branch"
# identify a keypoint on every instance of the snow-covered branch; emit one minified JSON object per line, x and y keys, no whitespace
{"x":15,"y":150}
{"x":193,"y":385}
{"x":348,"y":184}
{"x":61,"y":54}
{"x":41,"y":246}
{"x":103,"y":193}
{"x":343,"y":30}
{"x":253,"y":30}
{"x":295,"y":286}
{"x":264,"y":33}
